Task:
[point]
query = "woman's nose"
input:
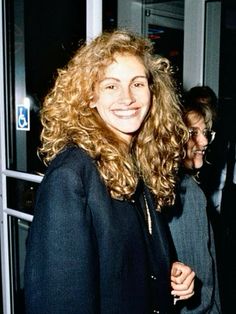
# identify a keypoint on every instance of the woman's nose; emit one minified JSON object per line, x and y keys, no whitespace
{"x":127,"y":96}
{"x":202,"y":139}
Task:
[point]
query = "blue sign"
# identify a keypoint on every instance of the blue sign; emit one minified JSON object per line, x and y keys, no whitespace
{"x":23,"y":117}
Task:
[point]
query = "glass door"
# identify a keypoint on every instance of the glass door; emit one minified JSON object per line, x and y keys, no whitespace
{"x":163,"y":23}
{"x":40,"y":37}
{"x":37,"y":38}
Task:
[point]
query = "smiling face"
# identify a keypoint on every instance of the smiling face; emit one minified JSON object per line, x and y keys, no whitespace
{"x":197,"y":143}
{"x":122,"y":96}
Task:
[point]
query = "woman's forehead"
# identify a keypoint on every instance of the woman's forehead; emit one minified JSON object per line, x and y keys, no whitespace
{"x":195,"y":119}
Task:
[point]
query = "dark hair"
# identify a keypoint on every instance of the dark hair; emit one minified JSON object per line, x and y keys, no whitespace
{"x":201,"y":110}
{"x":202,"y":95}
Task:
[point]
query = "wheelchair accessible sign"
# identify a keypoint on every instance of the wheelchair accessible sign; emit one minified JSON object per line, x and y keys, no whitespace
{"x":23,"y":117}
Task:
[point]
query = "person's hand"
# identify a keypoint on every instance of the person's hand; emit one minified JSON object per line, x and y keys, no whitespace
{"x":182,"y":281}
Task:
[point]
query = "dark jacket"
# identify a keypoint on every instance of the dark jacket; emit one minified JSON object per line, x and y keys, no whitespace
{"x":194,"y":244}
{"x":89,"y":253}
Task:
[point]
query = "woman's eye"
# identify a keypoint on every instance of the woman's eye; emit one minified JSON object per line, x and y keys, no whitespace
{"x":193,"y":133}
{"x":110,"y":87}
{"x":139,"y":84}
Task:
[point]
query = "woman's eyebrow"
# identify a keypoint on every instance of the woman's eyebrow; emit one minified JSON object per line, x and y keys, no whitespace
{"x":118,"y":80}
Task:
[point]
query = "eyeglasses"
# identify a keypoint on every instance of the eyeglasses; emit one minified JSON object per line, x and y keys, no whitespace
{"x":208,"y":134}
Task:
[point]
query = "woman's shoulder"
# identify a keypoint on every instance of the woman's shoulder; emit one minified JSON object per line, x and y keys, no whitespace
{"x":188,"y":190}
{"x":188,"y":180}
{"x":73,"y":159}
{"x":71,"y":154}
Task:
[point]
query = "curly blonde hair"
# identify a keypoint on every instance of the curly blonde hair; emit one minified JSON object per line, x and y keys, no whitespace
{"x":155,"y":151}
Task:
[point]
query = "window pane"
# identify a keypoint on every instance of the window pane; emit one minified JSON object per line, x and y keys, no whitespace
{"x":40,"y":37}
{"x":24,"y":195}
{"x":18,"y":236}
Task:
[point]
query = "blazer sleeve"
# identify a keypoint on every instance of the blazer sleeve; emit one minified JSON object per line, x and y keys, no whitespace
{"x":61,"y":262}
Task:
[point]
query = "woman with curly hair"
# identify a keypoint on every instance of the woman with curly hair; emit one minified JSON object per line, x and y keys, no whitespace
{"x":112,"y":137}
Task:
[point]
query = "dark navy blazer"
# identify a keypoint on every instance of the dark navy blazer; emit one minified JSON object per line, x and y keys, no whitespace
{"x":89,"y":253}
